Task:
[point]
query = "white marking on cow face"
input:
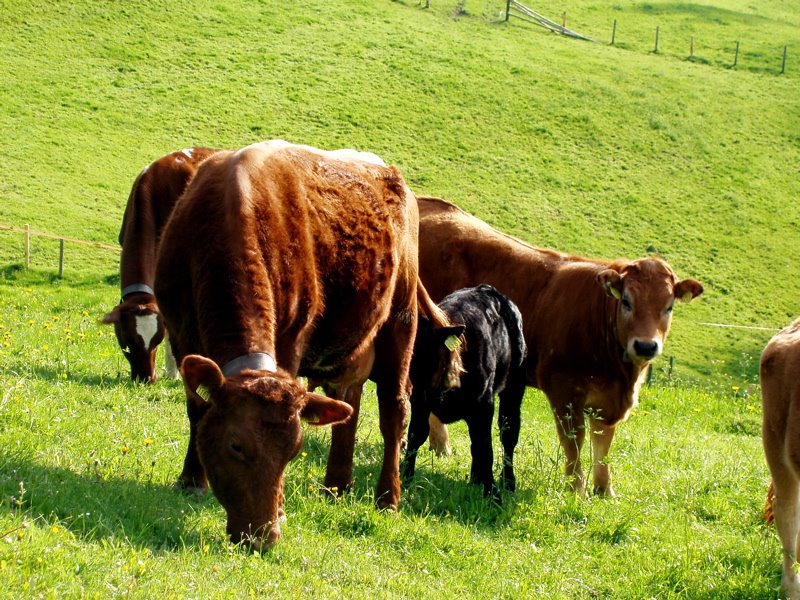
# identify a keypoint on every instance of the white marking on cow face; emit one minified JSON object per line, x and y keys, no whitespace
{"x":147,"y":327}
{"x":187,"y":152}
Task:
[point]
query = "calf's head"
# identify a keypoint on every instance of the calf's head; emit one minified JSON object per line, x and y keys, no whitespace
{"x":646,"y":290}
{"x":247,"y":437}
{"x":435,"y":348}
{"x":139,"y":329}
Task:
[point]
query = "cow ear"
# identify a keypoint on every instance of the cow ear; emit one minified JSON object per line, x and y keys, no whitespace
{"x":201,"y":376}
{"x":611,"y":281}
{"x":450,"y":336}
{"x":688,"y":289}
{"x":321,"y":410}
{"x":112,"y":317}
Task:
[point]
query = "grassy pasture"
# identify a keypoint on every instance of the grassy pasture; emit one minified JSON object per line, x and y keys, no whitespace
{"x":585,"y":147}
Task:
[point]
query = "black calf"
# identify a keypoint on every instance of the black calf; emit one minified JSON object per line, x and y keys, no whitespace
{"x":493,"y":362}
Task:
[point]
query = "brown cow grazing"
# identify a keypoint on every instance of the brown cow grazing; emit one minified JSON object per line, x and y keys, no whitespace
{"x":780,"y":398}
{"x":136,"y":319}
{"x":289,"y":255}
{"x":592,"y":326}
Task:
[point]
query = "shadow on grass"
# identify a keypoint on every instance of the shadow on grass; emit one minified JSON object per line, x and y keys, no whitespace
{"x":432,"y":492}
{"x":94,"y":508}
{"x":17,"y":274}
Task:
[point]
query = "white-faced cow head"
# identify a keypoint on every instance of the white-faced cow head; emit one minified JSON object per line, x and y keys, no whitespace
{"x":139,"y":330}
{"x":645,"y":290}
{"x":247,"y":437}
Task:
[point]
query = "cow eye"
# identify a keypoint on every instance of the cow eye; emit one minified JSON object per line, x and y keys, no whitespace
{"x":669,"y":308}
{"x":236,"y":449}
{"x":626,"y":303}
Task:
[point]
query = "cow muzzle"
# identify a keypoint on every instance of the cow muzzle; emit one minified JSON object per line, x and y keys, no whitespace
{"x":643,"y":350}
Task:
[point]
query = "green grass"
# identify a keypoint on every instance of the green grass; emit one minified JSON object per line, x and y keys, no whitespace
{"x":86,"y":507}
{"x":585,"y":147}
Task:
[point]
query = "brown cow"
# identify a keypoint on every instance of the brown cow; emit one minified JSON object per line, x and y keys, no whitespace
{"x":592,"y":326}
{"x":289,"y":255}
{"x":780,"y":398}
{"x":136,"y":319}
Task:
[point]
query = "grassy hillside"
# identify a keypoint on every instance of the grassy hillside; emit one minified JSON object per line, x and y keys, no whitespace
{"x":87,"y":511}
{"x":585,"y":147}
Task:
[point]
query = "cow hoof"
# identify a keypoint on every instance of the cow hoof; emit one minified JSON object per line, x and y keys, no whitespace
{"x":510,"y":483}
{"x":493,"y":493}
{"x":604,"y":492}
{"x":188,"y":489}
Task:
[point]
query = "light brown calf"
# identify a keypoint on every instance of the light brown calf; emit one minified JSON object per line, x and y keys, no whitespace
{"x":780,"y":397}
{"x":592,"y":326}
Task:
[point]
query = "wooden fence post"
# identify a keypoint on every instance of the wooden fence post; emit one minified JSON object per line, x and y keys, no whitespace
{"x":656,"y":48}
{"x":736,"y":56}
{"x":614,"y":32}
{"x":508,"y":8}
{"x":27,"y":245}
{"x":783,"y":64}
{"x":691,"y":47}
{"x":61,"y":258}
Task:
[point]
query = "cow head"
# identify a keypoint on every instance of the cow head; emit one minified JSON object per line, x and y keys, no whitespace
{"x":247,"y":437}
{"x":139,"y":329}
{"x":645,"y":291}
{"x":432,"y":365}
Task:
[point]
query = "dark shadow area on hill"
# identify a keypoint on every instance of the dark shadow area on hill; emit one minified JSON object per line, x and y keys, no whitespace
{"x":710,"y":14}
{"x":431,"y":492}
{"x":17,"y":273}
{"x":54,"y":375}
{"x":93,"y":508}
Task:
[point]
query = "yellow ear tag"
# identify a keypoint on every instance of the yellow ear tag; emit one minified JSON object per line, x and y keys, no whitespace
{"x":615,"y":292}
{"x":452,"y":342}
{"x":204,"y":392}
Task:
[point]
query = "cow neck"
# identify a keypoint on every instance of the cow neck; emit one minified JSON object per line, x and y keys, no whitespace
{"x":255,"y":361}
{"x":137,"y":288}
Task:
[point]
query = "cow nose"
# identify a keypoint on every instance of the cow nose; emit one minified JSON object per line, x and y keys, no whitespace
{"x":645,"y":349}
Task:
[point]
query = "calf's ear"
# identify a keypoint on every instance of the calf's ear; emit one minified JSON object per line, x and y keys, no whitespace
{"x":112,"y":317}
{"x":201,"y":376}
{"x":321,"y":410}
{"x":450,"y":336}
{"x":688,"y":289}
{"x":611,"y":281}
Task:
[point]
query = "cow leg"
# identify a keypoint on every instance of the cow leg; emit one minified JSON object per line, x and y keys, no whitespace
{"x":440,"y":438}
{"x":571,"y":429}
{"x":418,"y":430}
{"x":480,"y":436}
{"x":602,"y":435}
{"x":193,"y":477}
{"x":339,"y":473}
{"x":509,"y":422}
{"x":787,"y":522}
{"x":393,"y":348}
{"x":170,"y":366}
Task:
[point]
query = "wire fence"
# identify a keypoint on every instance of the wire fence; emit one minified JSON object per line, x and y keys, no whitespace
{"x":28,"y":233}
{"x":742,"y":53}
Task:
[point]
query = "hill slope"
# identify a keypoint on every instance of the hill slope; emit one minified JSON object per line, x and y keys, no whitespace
{"x":586,"y":147}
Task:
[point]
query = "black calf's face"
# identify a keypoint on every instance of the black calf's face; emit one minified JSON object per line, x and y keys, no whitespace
{"x":139,"y":330}
{"x":433,"y":351}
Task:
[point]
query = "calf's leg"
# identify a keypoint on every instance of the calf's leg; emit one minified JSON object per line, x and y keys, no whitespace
{"x":509,"y":422}
{"x":339,"y":472}
{"x":418,"y":430}
{"x":480,"y":436}
{"x":193,"y":477}
{"x":571,"y":432}
{"x":601,"y":435}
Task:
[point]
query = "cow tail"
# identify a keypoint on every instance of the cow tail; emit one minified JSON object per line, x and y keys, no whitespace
{"x":438,"y":318}
{"x":513,"y":320}
{"x":769,"y":506}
